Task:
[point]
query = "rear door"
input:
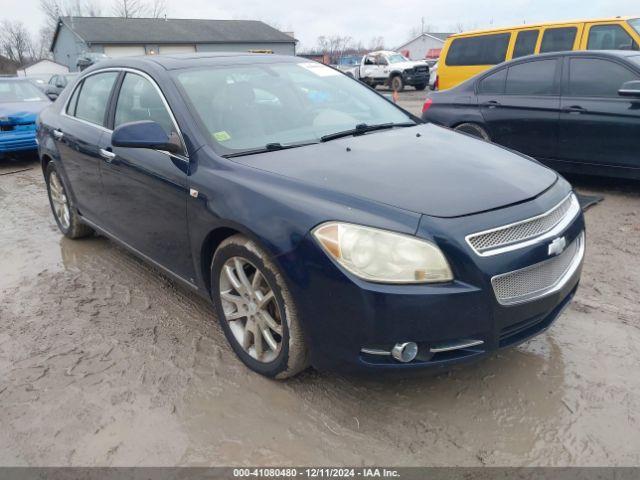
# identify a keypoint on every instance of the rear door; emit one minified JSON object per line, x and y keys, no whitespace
{"x":596,"y":124}
{"x":520,"y":106}
{"x":146,"y":190}
{"x":79,"y":133}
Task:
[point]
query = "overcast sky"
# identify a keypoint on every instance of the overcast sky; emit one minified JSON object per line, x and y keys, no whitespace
{"x":364,"y":19}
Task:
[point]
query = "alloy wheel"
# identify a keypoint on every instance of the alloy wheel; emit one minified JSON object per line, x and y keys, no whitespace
{"x":251,"y":309}
{"x":59,"y":200}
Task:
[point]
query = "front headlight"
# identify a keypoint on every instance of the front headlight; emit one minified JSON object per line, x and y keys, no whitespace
{"x":383,"y":256}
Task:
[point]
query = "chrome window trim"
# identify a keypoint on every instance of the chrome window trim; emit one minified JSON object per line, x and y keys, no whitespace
{"x":144,"y":75}
{"x":555,"y":287}
{"x":571,"y":214}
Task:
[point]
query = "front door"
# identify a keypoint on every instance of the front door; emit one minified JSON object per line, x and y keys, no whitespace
{"x":78,"y":136}
{"x":520,"y":106}
{"x":597,"y":125}
{"x":146,"y":190}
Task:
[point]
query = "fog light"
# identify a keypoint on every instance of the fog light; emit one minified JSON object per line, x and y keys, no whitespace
{"x":404,"y":352}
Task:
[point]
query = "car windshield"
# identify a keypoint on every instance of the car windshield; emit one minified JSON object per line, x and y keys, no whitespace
{"x":248,"y":107}
{"x":635,"y":23}
{"x":20,"y":91}
{"x":397,"y":58}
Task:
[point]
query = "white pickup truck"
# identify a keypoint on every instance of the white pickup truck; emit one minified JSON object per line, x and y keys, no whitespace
{"x":391,"y":69}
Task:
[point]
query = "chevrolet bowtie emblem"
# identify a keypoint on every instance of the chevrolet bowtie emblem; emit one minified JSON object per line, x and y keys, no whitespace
{"x":557,"y":246}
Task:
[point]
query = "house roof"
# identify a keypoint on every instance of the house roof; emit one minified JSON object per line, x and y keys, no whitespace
{"x":114,"y":30}
{"x":436,"y":36}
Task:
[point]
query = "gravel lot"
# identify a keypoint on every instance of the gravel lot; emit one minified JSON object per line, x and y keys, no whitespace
{"x":103,"y":361}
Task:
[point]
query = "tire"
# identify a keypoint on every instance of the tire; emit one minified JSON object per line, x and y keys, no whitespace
{"x":397,"y":83}
{"x":473,"y":130}
{"x":241,"y":316}
{"x":63,"y":206}
{"x":420,"y":86}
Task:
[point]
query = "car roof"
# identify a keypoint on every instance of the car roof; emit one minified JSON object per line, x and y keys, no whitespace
{"x":573,"y":53}
{"x":526,"y":26}
{"x":195,"y":60}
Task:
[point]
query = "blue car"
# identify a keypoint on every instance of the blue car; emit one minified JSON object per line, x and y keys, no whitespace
{"x":20,"y":103}
{"x":327,"y":226}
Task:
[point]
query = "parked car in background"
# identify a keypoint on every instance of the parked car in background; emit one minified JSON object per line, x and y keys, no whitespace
{"x":467,"y":54}
{"x":348,"y":62}
{"x":327,"y":225}
{"x":391,"y":69}
{"x":574,"y":111}
{"x":57,"y":83}
{"x":433,"y":77}
{"x":20,"y":103}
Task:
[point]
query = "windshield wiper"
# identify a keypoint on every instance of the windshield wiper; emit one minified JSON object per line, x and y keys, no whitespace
{"x":269,"y":147}
{"x":363,"y":128}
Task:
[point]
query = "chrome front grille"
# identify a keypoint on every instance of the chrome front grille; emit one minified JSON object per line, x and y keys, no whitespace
{"x":517,"y":235}
{"x":541,"y":279}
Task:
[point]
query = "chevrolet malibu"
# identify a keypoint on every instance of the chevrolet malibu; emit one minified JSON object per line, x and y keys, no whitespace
{"x":327,"y":226}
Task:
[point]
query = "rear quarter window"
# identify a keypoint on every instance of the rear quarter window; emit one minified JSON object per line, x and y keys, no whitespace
{"x":480,"y":50}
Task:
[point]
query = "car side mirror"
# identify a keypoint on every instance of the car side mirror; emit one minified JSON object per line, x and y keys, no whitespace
{"x":630,"y":89}
{"x":143,"y":134}
{"x":52,"y":96}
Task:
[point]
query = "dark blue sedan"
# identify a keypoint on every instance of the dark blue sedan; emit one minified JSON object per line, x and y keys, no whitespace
{"x":578,"y":112}
{"x":327,"y":226}
{"x":20,"y":103}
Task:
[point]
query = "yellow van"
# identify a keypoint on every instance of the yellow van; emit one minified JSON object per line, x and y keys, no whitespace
{"x":467,"y":54}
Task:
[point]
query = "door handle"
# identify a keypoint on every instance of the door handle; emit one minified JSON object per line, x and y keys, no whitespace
{"x":491,"y":104}
{"x":574,"y":109}
{"x":58,"y":134}
{"x":107,"y":155}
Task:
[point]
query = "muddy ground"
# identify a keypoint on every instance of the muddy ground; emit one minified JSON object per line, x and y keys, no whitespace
{"x":103,"y":361}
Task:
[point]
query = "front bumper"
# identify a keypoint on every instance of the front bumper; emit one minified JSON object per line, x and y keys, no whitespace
{"x":342,"y":314}
{"x":415,"y":78}
{"x":18,"y":141}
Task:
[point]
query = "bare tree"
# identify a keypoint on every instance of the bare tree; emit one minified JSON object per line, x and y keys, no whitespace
{"x":15,"y":42}
{"x":334,"y":46}
{"x":139,"y":8}
{"x":376,"y":43}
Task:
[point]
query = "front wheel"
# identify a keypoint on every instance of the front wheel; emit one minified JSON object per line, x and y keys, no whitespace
{"x":256,"y":310}
{"x":62,"y":206}
{"x":473,"y":130}
{"x":397,"y":84}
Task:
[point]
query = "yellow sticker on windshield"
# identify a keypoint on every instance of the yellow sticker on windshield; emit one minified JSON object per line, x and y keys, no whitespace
{"x":222,"y":136}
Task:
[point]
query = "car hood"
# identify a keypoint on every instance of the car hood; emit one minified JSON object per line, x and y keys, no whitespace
{"x":20,"y":112}
{"x":424,"y":169}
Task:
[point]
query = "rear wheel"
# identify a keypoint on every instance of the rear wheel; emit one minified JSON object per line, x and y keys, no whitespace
{"x":397,"y":84}
{"x":256,"y":310}
{"x":473,"y":130}
{"x":62,"y":206}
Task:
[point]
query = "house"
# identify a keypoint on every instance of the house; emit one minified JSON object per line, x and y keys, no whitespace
{"x":43,"y":68}
{"x":424,"y":46}
{"x":75,"y":37}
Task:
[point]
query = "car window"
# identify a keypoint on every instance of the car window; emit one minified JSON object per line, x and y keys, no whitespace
{"x":139,"y":100}
{"x":244,"y":107}
{"x":494,"y":83}
{"x":53,"y":80}
{"x":532,"y":78}
{"x":595,"y":77}
{"x":525,"y":43}
{"x":94,"y":97}
{"x":558,"y":39}
{"x":480,"y":50}
{"x":610,"y":37}
{"x":635,"y":24}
